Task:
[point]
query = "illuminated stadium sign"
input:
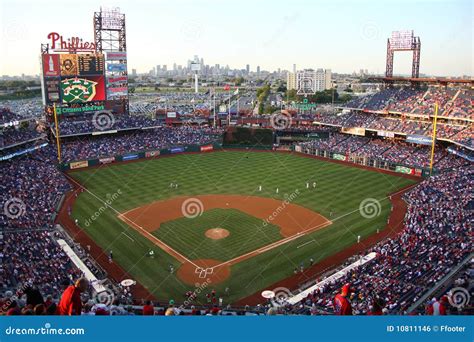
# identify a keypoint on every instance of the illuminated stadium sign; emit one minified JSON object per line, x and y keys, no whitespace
{"x":305,"y":105}
{"x":80,"y":90}
{"x":58,"y":43}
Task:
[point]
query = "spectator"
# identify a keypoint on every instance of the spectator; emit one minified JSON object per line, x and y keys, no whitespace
{"x":71,"y":303}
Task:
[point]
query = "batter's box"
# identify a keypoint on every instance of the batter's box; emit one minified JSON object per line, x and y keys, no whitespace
{"x":204,"y":272}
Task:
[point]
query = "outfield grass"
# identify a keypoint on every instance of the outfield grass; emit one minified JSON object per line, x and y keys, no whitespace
{"x":340,"y":190}
{"x":187,"y":235}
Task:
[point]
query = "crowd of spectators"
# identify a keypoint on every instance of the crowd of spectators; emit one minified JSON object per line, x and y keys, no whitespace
{"x":17,"y":110}
{"x":31,"y":188}
{"x":391,"y":151}
{"x":435,"y":239}
{"x":32,"y":258}
{"x":11,"y":136}
{"x":104,"y":122}
{"x":136,"y":141}
{"x":452,"y":102}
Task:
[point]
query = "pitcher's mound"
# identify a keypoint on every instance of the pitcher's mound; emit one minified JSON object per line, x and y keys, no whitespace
{"x":217,"y":233}
{"x":203,"y":270}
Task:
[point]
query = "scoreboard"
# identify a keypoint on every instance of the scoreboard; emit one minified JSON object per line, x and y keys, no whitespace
{"x":91,"y":64}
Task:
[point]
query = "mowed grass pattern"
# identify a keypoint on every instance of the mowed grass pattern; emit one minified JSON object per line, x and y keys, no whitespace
{"x":339,"y":191}
{"x":247,"y":233}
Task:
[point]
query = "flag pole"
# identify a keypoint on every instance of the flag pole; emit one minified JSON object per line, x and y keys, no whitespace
{"x":228,"y":114}
{"x":214,"y":93}
{"x":433,"y":137}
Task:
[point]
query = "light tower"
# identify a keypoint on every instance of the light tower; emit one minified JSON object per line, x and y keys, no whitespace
{"x":196,"y":67}
{"x":403,"y":41}
{"x":110,"y":40}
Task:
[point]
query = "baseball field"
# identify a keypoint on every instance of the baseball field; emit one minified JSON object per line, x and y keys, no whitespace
{"x":233,"y":220}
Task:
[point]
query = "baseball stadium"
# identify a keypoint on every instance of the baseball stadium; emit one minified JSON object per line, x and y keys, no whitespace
{"x":122,"y":196}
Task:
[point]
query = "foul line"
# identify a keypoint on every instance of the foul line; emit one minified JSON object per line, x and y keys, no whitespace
{"x":304,"y":244}
{"x":138,"y":228}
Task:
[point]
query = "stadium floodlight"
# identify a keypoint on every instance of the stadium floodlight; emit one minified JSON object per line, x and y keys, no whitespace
{"x":403,"y":41}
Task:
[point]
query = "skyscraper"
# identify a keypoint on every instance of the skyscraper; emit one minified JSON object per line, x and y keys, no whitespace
{"x":247,"y":68}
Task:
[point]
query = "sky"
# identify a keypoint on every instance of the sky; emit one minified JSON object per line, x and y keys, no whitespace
{"x":343,"y":36}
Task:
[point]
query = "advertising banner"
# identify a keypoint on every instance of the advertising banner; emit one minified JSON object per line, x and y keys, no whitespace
{"x":151,"y":154}
{"x":117,"y":91}
{"x":354,"y":130}
{"x":177,"y":149}
{"x":117,"y":79}
{"x":51,"y":89}
{"x":116,"y":56}
{"x":419,"y":139}
{"x":84,"y":89}
{"x":116,"y":67}
{"x":79,"y":164}
{"x":207,"y":148}
{"x":51,"y":66}
{"x":130,"y":157}
{"x":461,"y":154}
{"x":78,"y":109}
{"x":339,"y":156}
{"x":106,"y":160}
{"x":403,"y":169}
{"x":19,"y":153}
{"x":385,"y":134}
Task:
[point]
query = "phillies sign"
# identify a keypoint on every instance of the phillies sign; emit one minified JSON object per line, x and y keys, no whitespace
{"x":58,"y":43}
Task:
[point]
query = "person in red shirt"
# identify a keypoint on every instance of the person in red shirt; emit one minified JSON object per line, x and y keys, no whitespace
{"x":70,"y":303}
{"x":437,"y":308}
{"x":342,"y":305}
{"x":148,"y":309}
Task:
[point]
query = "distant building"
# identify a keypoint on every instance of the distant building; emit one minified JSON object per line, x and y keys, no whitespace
{"x":258,"y":70}
{"x":247,"y":68}
{"x":134,"y":72}
{"x":291,"y":80}
{"x":309,"y":81}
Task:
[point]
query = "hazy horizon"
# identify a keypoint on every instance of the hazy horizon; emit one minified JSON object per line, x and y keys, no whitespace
{"x":343,"y":36}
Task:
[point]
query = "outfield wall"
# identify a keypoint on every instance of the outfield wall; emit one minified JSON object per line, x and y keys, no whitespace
{"x":139,"y":155}
{"x":365,"y":161}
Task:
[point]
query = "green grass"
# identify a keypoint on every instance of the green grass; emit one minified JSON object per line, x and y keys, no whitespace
{"x":340,"y":189}
{"x":187,"y":235}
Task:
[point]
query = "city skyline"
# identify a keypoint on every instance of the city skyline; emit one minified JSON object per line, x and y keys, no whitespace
{"x":335,"y":35}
